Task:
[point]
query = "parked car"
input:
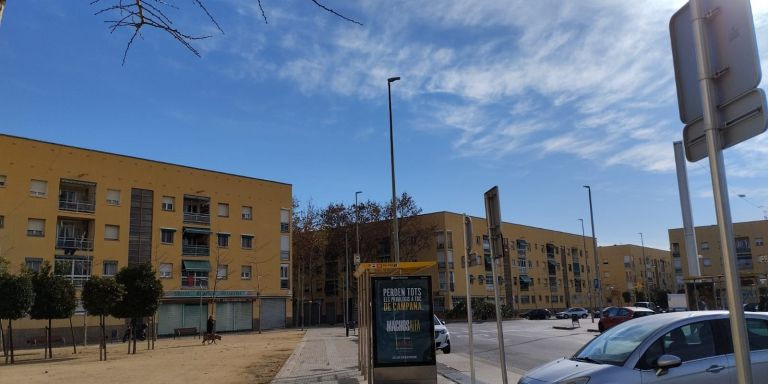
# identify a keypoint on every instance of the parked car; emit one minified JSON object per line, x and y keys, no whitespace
{"x":678,"y":347}
{"x":578,"y":311}
{"x":537,"y":314}
{"x":442,"y":336}
{"x":647,"y":304}
{"x":618,"y":315}
{"x":597,"y":314}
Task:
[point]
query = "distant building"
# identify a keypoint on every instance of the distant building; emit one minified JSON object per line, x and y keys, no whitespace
{"x":634,"y":269}
{"x":90,"y":213}
{"x":539,"y":268}
{"x":751,"y":262}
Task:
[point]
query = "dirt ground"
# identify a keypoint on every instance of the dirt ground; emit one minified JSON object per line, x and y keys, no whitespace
{"x":237,"y":358}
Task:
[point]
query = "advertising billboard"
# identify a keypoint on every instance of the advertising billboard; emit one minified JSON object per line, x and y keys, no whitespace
{"x":403,"y":325}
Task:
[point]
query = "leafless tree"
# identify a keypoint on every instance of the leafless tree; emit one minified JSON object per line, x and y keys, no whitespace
{"x":154,"y":14}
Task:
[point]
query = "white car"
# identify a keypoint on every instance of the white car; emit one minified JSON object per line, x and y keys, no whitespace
{"x":578,"y":311}
{"x":442,"y":336}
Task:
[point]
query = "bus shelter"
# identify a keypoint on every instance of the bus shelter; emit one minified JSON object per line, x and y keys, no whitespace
{"x":708,"y":292}
{"x":396,"y":334}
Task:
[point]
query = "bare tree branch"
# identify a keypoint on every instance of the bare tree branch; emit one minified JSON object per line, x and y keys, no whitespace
{"x":334,"y":12}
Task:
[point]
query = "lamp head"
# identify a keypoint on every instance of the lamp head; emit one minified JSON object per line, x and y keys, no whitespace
{"x":393,"y":79}
{"x":586,"y":186}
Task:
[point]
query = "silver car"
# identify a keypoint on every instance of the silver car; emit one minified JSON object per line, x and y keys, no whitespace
{"x":680,"y":347}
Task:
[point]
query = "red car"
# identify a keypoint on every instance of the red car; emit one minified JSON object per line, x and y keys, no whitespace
{"x":618,"y":315}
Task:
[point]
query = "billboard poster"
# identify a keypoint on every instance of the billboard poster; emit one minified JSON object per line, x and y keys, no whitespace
{"x":403,"y":327}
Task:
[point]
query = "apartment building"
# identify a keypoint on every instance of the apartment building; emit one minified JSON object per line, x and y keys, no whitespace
{"x":90,"y":213}
{"x":635,"y":270}
{"x":538,"y":268}
{"x":751,"y":262}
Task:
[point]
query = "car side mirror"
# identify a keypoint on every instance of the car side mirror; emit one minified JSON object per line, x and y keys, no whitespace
{"x":665,"y":362}
{"x":442,"y":321}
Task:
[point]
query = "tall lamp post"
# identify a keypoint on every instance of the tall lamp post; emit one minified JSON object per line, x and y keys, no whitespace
{"x":589,"y":287}
{"x":395,"y":239}
{"x":645,"y":267}
{"x":598,"y":288}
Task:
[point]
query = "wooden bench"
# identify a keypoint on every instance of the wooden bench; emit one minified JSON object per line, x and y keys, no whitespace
{"x":42,"y":340}
{"x":191,"y":331}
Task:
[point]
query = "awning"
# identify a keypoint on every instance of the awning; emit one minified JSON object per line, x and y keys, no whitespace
{"x":200,"y":231}
{"x":525,"y":279}
{"x":168,"y":229}
{"x":197,"y":265}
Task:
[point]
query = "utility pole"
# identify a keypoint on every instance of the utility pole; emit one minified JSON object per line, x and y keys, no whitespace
{"x":589,"y":286}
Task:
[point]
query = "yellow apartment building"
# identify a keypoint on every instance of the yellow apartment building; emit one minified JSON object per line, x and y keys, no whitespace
{"x":90,"y":213}
{"x":539,"y":268}
{"x":751,"y":260}
{"x":632,"y":268}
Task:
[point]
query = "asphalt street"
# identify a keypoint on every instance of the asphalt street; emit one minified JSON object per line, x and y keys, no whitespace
{"x":527,"y":343}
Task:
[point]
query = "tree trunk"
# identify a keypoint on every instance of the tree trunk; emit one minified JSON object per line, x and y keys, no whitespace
{"x":50,"y":346}
{"x":103,"y":342}
{"x":130,"y":336}
{"x":72,"y":333}
{"x":10,"y":339}
{"x":2,"y":340}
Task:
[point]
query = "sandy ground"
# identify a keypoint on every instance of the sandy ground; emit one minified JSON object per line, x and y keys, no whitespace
{"x":238,"y":358}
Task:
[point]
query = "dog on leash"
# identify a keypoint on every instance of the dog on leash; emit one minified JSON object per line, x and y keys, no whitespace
{"x":211,"y":338}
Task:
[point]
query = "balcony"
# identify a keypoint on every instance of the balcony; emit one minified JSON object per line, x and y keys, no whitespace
{"x":191,"y":282}
{"x":197,"y":210}
{"x":77,"y":196}
{"x":195,"y":250}
{"x":197,"y":218}
{"x":77,"y":243}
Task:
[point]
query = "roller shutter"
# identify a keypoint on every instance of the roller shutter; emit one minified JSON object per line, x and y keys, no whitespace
{"x":273,"y":313}
{"x":243,"y":316}
{"x":224,"y":317}
{"x":195,"y":316}
{"x":169,"y":317}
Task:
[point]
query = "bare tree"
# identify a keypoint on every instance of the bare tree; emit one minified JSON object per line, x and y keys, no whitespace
{"x":154,"y":14}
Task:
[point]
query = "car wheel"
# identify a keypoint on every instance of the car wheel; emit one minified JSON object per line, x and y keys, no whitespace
{"x":600,"y":327}
{"x":447,"y":348}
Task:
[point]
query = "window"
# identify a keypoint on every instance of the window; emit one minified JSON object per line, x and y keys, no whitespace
{"x":166,"y":235}
{"x":247,"y":213}
{"x":284,"y":276}
{"x":285,"y":221}
{"x":166,"y":271}
{"x":245,"y":272}
{"x":222,"y":272}
{"x":706,"y":261}
{"x":110,"y":268}
{"x":480,"y":279}
{"x":33,"y":263}
{"x":759,"y":241}
{"x":113,"y":197}
{"x":2,"y":181}
{"x":38,"y":188}
{"x":285,"y":248}
{"x":440,"y":239}
{"x":223,"y":240}
{"x":111,"y":232}
{"x":246,"y":241}
{"x":689,"y":342}
{"x":35,"y":227}
{"x":704,"y":246}
{"x":757,"y":331}
{"x":223,"y":210}
{"x":168,"y":203}
{"x":2,"y":221}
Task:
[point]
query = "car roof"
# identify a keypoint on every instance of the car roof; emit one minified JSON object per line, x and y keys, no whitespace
{"x":638,"y":309}
{"x":664,"y":319}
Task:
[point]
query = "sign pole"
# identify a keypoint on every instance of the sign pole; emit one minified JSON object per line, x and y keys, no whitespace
{"x":493,"y":213}
{"x":685,"y":205}
{"x":467,"y":252}
{"x":720,"y":189}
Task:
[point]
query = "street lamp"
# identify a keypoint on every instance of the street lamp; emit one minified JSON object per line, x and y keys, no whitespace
{"x":357,"y":255}
{"x":598,"y":289}
{"x":395,"y":239}
{"x":645,"y":267}
{"x":589,"y":286}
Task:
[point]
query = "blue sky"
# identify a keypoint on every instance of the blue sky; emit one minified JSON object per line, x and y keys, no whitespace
{"x":538,"y":98}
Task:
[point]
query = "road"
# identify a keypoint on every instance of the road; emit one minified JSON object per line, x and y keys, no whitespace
{"x":528,"y":343}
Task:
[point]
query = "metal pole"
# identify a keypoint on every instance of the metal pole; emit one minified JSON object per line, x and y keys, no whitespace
{"x":691,"y":253}
{"x":598,"y":289}
{"x":346,"y":280}
{"x":720,"y":189}
{"x":499,"y":328}
{"x":589,"y":286}
{"x":395,"y":235}
{"x":467,"y":252}
{"x":645,"y":267}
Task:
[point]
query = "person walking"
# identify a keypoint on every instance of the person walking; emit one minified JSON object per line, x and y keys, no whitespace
{"x":210,"y":326}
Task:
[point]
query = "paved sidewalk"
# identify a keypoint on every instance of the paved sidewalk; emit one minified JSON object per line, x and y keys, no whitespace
{"x":456,"y":367}
{"x":325,"y":355}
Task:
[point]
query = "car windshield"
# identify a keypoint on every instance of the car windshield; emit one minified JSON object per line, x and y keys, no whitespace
{"x":617,"y":344}
{"x":436,"y":320}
